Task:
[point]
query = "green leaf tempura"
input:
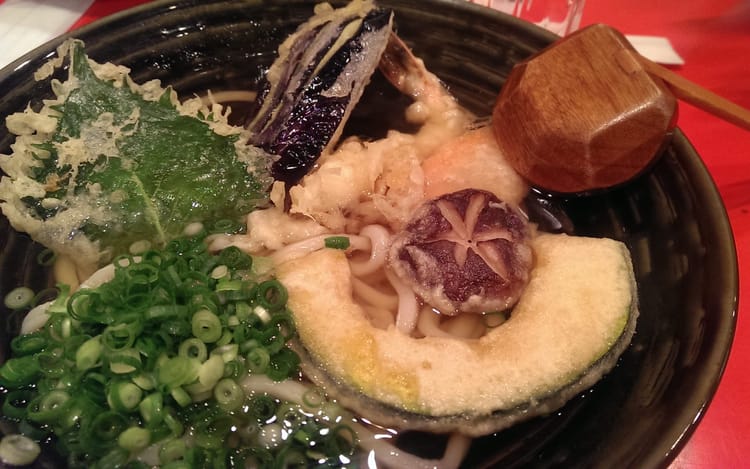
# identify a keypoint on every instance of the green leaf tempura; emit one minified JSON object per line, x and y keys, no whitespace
{"x":110,"y":163}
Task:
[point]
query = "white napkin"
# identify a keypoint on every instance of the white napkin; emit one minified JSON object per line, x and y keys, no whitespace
{"x":656,"y":48}
{"x":26,"y":24}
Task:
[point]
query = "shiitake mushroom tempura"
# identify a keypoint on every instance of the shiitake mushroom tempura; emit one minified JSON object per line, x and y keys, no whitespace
{"x":275,"y":294}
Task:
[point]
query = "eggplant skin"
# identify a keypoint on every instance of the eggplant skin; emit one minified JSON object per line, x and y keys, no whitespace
{"x":312,"y":87}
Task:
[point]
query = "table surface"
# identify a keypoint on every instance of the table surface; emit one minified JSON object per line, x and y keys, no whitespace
{"x":713,"y":36}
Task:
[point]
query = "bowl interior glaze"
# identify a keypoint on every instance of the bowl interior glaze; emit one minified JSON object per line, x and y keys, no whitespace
{"x":671,"y":218}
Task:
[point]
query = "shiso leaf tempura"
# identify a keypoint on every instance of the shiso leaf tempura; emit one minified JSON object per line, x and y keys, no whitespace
{"x":108,"y":163}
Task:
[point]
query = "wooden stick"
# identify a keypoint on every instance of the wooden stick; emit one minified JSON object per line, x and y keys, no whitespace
{"x":698,"y":96}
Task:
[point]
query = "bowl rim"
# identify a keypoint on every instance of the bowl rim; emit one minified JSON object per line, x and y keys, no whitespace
{"x":709,"y":199}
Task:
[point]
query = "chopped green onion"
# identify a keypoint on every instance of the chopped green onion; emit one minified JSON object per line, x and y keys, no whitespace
{"x":19,"y":372}
{"x":175,"y":426}
{"x":256,"y":456}
{"x":174,"y":327}
{"x":285,"y":324}
{"x":177,"y":371}
{"x":289,"y":415}
{"x":211,"y":371}
{"x":282,"y":365}
{"x":121,"y":336}
{"x":303,"y":437}
{"x":313,"y":398}
{"x":337,"y":242}
{"x":494,"y":319}
{"x":51,"y":363}
{"x":226,"y":226}
{"x":72,"y":344}
{"x":219,"y":272}
{"x":206,"y":326}
{"x":50,"y":407}
{"x":225,"y":339}
{"x":272,"y":295}
{"x":343,"y":440}
{"x":181,"y":397}
{"x":124,"y":361}
{"x":234,"y":258}
{"x":122,"y":261}
{"x":108,"y":425}
{"x":172,"y":450}
{"x":263,"y":407}
{"x":262,"y":314}
{"x":89,"y":353}
{"x":31,"y":430}
{"x":46,"y":257}
{"x":193,"y":348}
{"x":48,"y":294}
{"x":19,"y":298}
{"x":229,"y":395}
{"x":28,"y":344}
{"x":59,"y":326}
{"x":116,"y":457}
{"x":211,"y":431}
{"x":227,"y":352}
{"x":131,"y":362}
{"x":142,"y":274}
{"x":18,"y":450}
{"x":258,"y":360}
{"x":16,"y":403}
{"x":93,"y":387}
{"x":134,"y":439}
{"x":124,"y":396}
{"x":235,"y":369}
{"x":81,"y":305}
{"x":151,"y":408}
{"x":291,"y":457}
{"x":144,"y":381}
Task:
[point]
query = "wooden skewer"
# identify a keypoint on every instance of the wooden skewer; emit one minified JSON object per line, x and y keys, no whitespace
{"x":698,"y":96}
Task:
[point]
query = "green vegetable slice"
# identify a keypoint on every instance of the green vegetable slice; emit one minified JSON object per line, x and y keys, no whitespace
{"x":18,"y":450}
{"x":19,"y":298}
{"x":125,"y":163}
{"x":109,"y":375}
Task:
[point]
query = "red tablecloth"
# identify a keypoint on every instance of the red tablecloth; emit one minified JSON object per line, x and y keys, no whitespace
{"x":713,"y":36}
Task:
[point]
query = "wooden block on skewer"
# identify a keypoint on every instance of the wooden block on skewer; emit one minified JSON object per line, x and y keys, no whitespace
{"x":589,"y":112}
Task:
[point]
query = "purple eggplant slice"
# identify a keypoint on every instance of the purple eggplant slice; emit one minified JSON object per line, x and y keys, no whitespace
{"x":311,"y":88}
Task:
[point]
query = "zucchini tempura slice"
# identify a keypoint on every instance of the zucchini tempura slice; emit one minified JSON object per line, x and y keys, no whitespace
{"x":110,"y":162}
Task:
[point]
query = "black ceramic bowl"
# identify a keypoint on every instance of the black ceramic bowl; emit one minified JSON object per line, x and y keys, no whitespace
{"x":672,"y":218}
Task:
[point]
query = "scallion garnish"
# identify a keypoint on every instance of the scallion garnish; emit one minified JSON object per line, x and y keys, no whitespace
{"x":46,"y":257}
{"x":19,"y":298}
{"x":124,"y":365}
{"x":337,"y":242}
{"x":18,"y":450}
